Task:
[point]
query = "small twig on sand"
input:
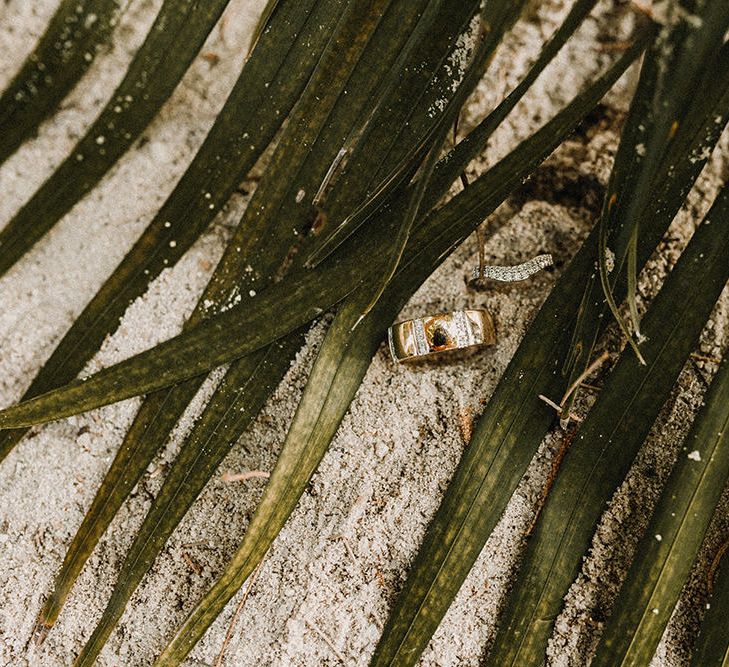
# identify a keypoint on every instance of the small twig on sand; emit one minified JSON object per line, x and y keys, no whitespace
{"x":326,"y":640}
{"x":584,"y":375}
{"x":710,"y":575}
{"x":579,"y":382}
{"x":228,"y":477}
{"x":704,"y":357}
{"x":619,"y":45}
{"x":465,"y":423}
{"x":643,"y":8}
{"x":347,"y":545}
{"x":193,"y":565}
{"x":559,"y":409}
{"x":699,"y":373}
{"x":556,"y":463}
{"x":234,"y":620}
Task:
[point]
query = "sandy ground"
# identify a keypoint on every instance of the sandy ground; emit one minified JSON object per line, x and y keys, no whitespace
{"x":323,"y":593}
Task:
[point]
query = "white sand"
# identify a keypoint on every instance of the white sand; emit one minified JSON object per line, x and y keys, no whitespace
{"x":324,"y":591}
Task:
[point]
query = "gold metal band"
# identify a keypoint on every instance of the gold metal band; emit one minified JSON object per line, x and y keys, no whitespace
{"x":426,"y":336}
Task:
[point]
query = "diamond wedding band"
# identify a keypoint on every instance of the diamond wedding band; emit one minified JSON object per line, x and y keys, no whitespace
{"x":427,"y":336}
{"x":510,"y":274}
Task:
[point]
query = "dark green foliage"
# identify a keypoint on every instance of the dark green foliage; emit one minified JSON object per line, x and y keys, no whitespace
{"x":712,"y":646}
{"x":65,"y":51}
{"x":242,"y":131}
{"x":665,"y":555}
{"x":357,"y":98}
{"x":228,"y":411}
{"x":608,"y":440}
{"x":515,"y":421}
{"x":160,"y":411}
{"x":300,"y":299}
{"x":173,"y":41}
{"x":338,"y":371}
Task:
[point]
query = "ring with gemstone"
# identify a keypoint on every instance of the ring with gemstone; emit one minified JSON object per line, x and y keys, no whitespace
{"x":423,"y":337}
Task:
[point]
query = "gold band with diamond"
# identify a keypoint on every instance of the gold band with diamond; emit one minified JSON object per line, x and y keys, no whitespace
{"x":423,"y":337}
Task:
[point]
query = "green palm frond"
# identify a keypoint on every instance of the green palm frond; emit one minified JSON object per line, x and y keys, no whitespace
{"x":346,"y":354}
{"x":243,"y":130}
{"x":515,"y":420}
{"x":607,"y":442}
{"x":229,"y":411}
{"x":672,"y":540}
{"x":301,"y":298}
{"x":712,"y":645}
{"x":684,"y":52}
{"x":63,"y":54}
{"x":173,"y":41}
{"x":344,"y":107}
{"x":160,"y":412}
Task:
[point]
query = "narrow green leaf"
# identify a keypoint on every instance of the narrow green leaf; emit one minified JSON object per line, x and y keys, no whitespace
{"x":712,"y":646}
{"x":240,"y":396}
{"x":64,"y":53}
{"x":295,"y":23}
{"x":389,"y":127}
{"x":680,"y":166}
{"x":394,"y":254}
{"x":286,"y":58}
{"x":173,"y":41}
{"x":457,"y":160}
{"x":440,"y":131}
{"x":470,"y":146}
{"x":681,"y":55}
{"x":665,"y":555}
{"x":245,"y":126}
{"x":338,"y":372}
{"x":304,"y":295}
{"x":609,"y":439}
{"x":504,"y":441}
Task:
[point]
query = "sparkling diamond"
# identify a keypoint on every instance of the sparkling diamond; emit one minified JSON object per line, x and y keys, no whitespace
{"x":510,"y":274}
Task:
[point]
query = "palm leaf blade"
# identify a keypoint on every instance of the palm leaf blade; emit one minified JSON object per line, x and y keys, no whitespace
{"x":244,"y":128}
{"x":712,"y":647}
{"x":64,"y":53}
{"x":142,"y":441}
{"x":160,"y":412}
{"x":173,"y":41}
{"x":340,"y":366}
{"x":338,"y":371}
{"x":251,"y":243}
{"x":607,"y":442}
{"x":673,"y":538}
{"x":696,"y":137}
{"x":507,"y":437}
{"x":681,"y":55}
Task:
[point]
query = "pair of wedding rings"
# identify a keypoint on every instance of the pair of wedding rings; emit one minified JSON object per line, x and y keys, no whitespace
{"x":424,"y":337}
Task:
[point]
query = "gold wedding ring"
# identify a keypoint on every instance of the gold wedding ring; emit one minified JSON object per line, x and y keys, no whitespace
{"x":423,"y":337}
